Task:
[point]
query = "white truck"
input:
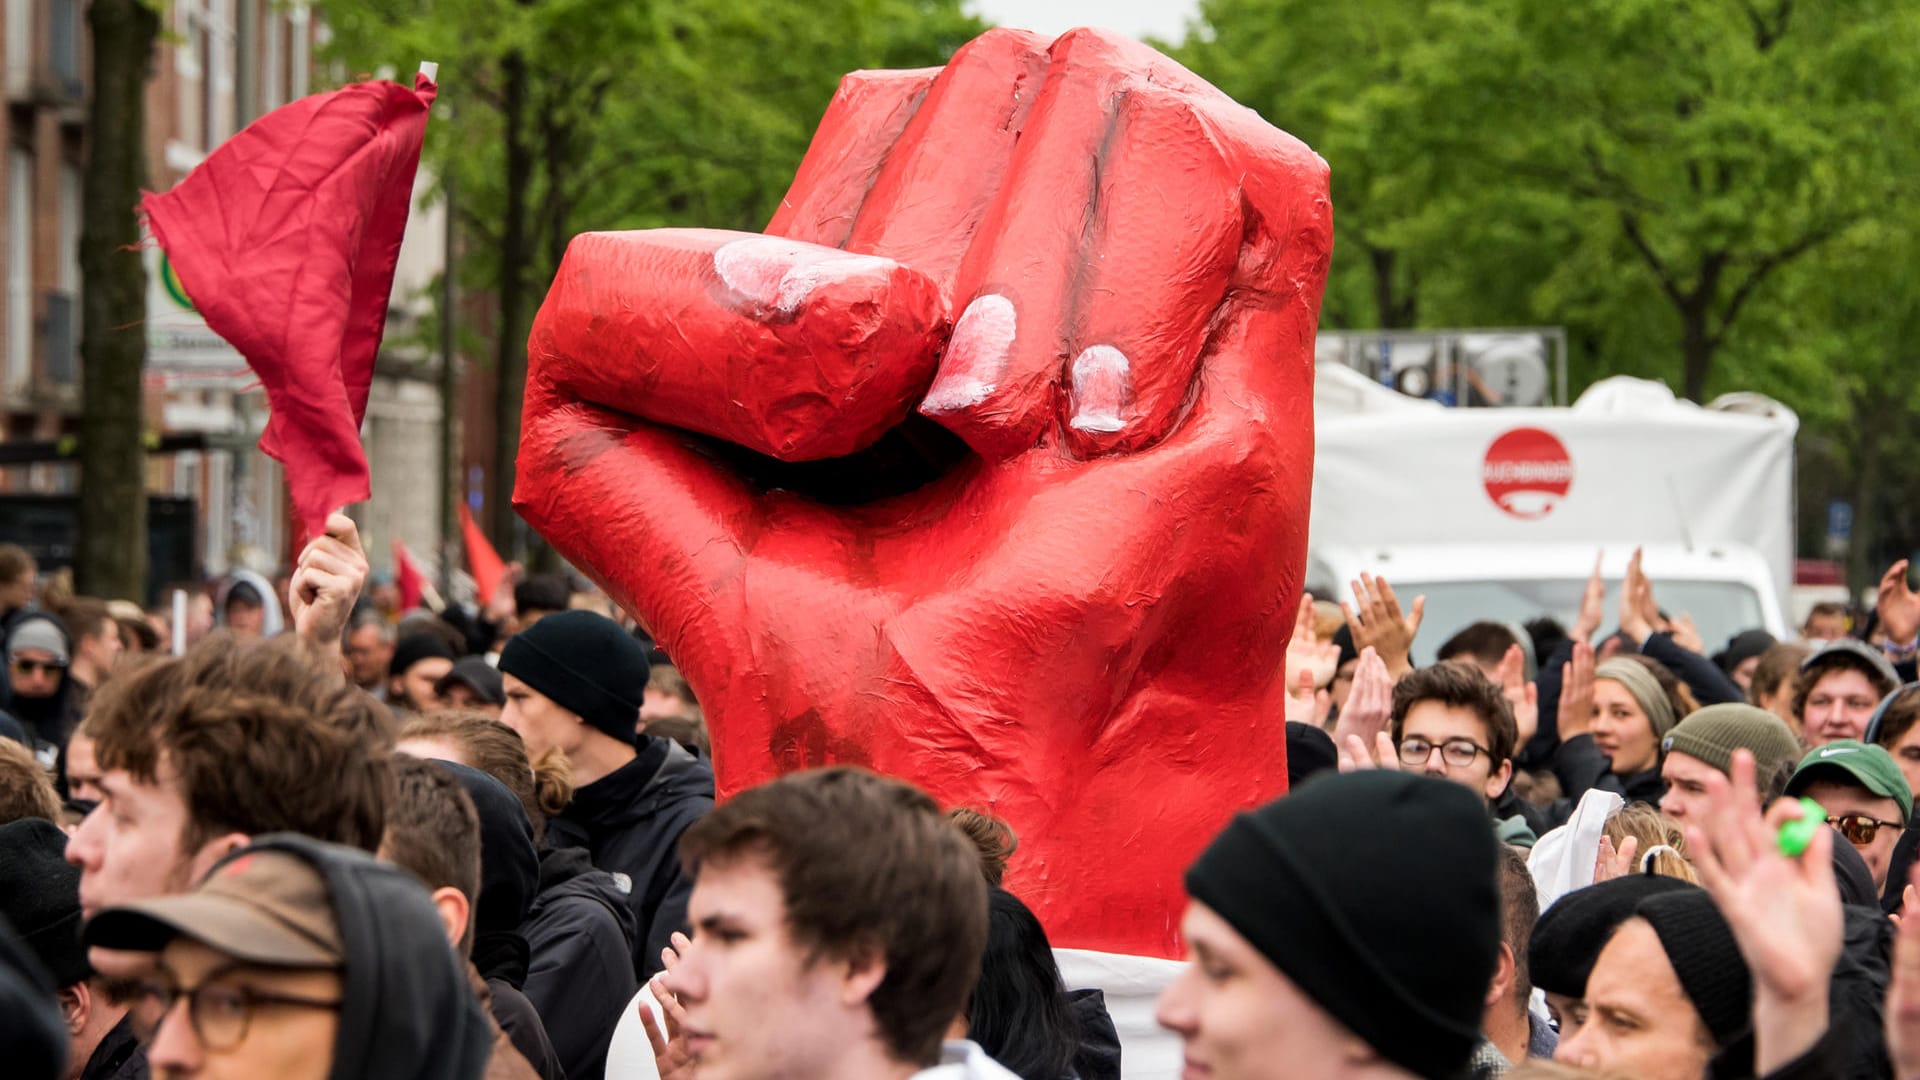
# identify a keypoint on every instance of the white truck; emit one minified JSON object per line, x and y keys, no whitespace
{"x":1498,"y":513}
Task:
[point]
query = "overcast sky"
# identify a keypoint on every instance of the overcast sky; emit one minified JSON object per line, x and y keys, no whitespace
{"x":1138,"y":18}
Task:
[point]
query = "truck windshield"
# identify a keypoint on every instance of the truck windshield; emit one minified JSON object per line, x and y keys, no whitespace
{"x":1720,"y":609}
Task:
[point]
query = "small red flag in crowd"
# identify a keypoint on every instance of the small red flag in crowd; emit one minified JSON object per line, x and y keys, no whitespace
{"x":407,"y":577}
{"x":482,"y":560}
{"x":285,"y":238}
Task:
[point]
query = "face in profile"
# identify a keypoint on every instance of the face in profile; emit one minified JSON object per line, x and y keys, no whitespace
{"x":1240,"y":1018}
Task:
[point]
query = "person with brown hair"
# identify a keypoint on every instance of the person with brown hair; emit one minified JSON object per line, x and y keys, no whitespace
{"x":17,"y":574}
{"x":579,"y":930}
{"x":993,"y":838}
{"x":1508,"y":1023}
{"x":96,"y":646}
{"x":1776,"y":680}
{"x":436,"y":832}
{"x":1659,"y":843}
{"x":840,"y":920}
{"x":200,"y":753}
{"x":25,"y":790}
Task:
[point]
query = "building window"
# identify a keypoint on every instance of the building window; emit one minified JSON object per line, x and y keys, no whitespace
{"x":19,"y":30}
{"x":19,"y":326}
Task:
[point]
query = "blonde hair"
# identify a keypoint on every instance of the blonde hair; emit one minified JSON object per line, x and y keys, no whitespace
{"x":1653,"y":830}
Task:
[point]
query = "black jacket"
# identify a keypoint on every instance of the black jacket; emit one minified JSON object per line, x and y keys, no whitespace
{"x":581,"y":934}
{"x":118,"y":1057}
{"x":1580,"y":767}
{"x":630,"y":822}
{"x":1709,"y":684}
{"x":518,"y":1018}
{"x":407,"y":1010}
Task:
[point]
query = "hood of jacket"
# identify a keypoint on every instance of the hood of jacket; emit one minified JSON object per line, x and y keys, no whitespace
{"x":407,"y":1011}
{"x":663,"y":775}
{"x":269,"y":603}
{"x":569,"y":873}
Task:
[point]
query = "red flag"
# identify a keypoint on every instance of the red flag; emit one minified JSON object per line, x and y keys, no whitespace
{"x":482,"y":560}
{"x":407,"y":577}
{"x":285,"y":238}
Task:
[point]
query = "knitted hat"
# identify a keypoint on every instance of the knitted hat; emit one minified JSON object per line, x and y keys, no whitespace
{"x":1570,"y":934}
{"x":42,"y":632}
{"x":1319,"y":883}
{"x":1713,"y":733}
{"x":415,"y":647}
{"x":1850,"y":761}
{"x":587,"y":665}
{"x":40,"y":896}
{"x":1309,"y":752}
{"x":1700,"y":946}
{"x":474,"y":673}
{"x":1741,"y":648}
{"x":1645,"y":690}
{"x":1850,"y":652}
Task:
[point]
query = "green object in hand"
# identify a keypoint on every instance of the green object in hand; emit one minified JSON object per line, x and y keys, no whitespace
{"x":1794,"y":836}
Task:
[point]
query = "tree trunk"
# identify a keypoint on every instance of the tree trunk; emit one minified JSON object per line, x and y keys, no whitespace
{"x":111,"y":559}
{"x":1696,"y":350}
{"x":1395,"y":311}
{"x":510,"y":344}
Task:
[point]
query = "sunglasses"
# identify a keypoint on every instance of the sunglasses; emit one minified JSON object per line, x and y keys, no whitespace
{"x":1859,"y":829}
{"x":34,"y":667}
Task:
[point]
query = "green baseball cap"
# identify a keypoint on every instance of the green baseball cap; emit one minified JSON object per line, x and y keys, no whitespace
{"x":1870,"y":767}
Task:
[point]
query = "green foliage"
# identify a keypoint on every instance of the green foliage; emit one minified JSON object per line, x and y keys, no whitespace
{"x":640,"y":114}
{"x":1717,"y":193}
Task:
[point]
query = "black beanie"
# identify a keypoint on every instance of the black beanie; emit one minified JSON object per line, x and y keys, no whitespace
{"x":1310,"y":752}
{"x":40,"y":896}
{"x":415,"y":647}
{"x":587,"y":665}
{"x":1323,"y":883}
{"x":1700,"y":946}
{"x":1570,"y":934}
{"x":509,"y":866}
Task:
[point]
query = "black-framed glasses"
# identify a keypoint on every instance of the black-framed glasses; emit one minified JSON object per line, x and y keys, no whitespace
{"x":1458,"y":753}
{"x":1859,"y":829}
{"x":220,"y":1012}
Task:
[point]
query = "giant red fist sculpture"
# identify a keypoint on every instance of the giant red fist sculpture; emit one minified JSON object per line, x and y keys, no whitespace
{"x":1103,"y":277}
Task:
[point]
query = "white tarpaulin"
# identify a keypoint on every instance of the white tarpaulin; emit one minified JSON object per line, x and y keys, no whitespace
{"x":1627,"y":464}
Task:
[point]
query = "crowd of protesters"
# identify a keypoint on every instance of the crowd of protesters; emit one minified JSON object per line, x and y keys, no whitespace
{"x":322,"y":837}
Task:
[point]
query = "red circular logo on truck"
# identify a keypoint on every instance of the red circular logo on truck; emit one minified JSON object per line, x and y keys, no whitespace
{"x":1527,"y":472}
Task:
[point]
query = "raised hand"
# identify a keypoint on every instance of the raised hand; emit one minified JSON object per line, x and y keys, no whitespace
{"x":1593,"y":604}
{"x":1376,"y":620}
{"x":1307,"y":655}
{"x":1609,"y":863}
{"x":1686,"y":634}
{"x":1522,"y":695}
{"x":1061,"y":578}
{"x":1636,"y":595}
{"x":1356,"y":755}
{"x":671,"y":1055}
{"x":1369,"y":704}
{"x":325,"y":584}
{"x":1898,"y":605}
{"x":1784,"y":912}
{"x":1305,"y":704}
{"x":1903,"y":996}
{"x":1576,"y":693}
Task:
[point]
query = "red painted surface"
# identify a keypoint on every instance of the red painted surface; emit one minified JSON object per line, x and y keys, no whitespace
{"x":1080,"y":623}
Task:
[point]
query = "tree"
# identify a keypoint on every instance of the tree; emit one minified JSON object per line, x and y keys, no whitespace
{"x":112,"y":555}
{"x":569,"y":115}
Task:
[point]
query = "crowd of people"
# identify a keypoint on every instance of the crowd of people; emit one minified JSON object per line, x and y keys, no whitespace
{"x":322,"y":837}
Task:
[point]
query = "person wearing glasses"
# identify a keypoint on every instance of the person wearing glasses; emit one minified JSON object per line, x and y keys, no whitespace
{"x":1864,"y":794}
{"x":300,"y":960}
{"x":39,"y":650}
{"x":1449,"y":722}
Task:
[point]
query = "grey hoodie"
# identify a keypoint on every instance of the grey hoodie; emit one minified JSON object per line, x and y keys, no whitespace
{"x":270,"y":602}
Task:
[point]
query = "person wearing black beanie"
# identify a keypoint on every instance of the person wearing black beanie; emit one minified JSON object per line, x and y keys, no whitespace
{"x":574,"y":682}
{"x":1668,"y":996}
{"x":419,"y":660}
{"x":1309,"y":960}
{"x":40,"y":897}
{"x":1570,"y":934}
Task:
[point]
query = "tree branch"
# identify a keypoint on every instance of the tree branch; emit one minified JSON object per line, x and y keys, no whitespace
{"x":1631,"y":226}
{"x":1767,"y":265}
